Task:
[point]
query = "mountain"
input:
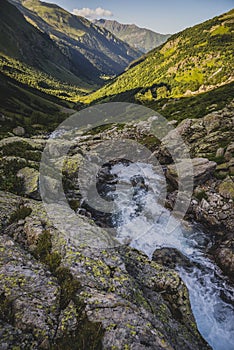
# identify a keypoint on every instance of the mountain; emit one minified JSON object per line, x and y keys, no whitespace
{"x":79,"y":39}
{"x":140,"y":38}
{"x":22,"y":41}
{"x":36,"y":77}
{"x":194,"y":61}
{"x":44,"y":68}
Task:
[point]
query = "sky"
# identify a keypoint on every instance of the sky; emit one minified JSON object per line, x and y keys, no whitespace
{"x":163,"y":16}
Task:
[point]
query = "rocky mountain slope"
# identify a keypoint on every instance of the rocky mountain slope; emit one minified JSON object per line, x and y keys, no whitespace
{"x":196,"y":60}
{"x":142,"y":39}
{"x":95,"y":49}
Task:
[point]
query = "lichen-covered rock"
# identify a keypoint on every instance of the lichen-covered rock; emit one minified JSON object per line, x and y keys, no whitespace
{"x":29,"y":294}
{"x":30,"y":179}
{"x":61,"y":294}
{"x":226,"y":188}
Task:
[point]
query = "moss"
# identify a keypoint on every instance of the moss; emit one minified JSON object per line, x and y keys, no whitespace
{"x":53,"y":260}
{"x":226,"y":188}
{"x":219,"y":175}
{"x":20,"y":214}
{"x":201,"y":195}
{"x":99,"y":129}
{"x":69,"y":286}
{"x":87,"y":337}
{"x":44,"y":246}
{"x":150,"y":141}
{"x":74,"y":204}
{"x":6,"y":309}
{"x":220,"y":159}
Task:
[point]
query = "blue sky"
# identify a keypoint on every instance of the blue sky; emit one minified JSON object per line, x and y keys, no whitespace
{"x":165,"y":16}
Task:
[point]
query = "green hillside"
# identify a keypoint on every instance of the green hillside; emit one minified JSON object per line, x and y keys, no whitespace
{"x":22,"y":41}
{"x":35,"y":111}
{"x":141,"y":38}
{"x":95,"y":49}
{"x":196,"y":60}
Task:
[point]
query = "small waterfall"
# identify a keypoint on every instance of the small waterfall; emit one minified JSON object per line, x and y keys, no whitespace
{"x":142,"y":221}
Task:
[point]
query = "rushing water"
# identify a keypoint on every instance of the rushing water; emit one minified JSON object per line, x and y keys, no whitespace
{"x":142,"y":222}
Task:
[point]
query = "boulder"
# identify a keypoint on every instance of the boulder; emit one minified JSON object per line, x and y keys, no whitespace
{"x":19,"y":131}
{"x":203,"y":170}
{"x":171,"y":258}
{"x":226,"y":188}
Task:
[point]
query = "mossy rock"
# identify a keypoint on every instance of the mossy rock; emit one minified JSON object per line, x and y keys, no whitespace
{"x":226,"y":188}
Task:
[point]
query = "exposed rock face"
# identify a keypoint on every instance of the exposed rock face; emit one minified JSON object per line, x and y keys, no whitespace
{"x":213,"y":208}
{"x":56,"y":294}
{"x":211,"y":137}
{"x":224,"y":255}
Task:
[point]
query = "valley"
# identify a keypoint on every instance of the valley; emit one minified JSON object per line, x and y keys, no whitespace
{"x":116,"y":183}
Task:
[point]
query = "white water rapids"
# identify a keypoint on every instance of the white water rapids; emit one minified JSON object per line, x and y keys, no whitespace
{"x":145,"y":229}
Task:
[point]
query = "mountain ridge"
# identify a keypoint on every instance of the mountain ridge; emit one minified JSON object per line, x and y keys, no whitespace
{"x":142,"y":39}
{"x":79,"y":38}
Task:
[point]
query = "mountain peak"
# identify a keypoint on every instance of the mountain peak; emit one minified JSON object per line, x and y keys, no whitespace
{"x":141,"y":38}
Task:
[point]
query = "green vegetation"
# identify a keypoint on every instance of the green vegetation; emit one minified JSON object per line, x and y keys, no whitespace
{"x":22,"y":105}
{"x":39,"y":80}
{"x":193,"y":107}
{"x":201,"y":195}
{"x":20,"y":214}
{"x":191,"y":62}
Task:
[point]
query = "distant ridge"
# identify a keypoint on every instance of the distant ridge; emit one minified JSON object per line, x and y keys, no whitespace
{"x":140,"y":38}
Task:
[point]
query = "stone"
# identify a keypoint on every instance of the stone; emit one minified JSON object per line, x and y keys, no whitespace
{"x":222,"y":216}
{"x":204,"y":204}
{"x":226,"y":188}
{"x":229,"y":154}
{"x":30,"y":178}
{"x":220,"y":152}
{"x":171,"y":258}
{"x":19,"y":131}
{"x":203,"y":169}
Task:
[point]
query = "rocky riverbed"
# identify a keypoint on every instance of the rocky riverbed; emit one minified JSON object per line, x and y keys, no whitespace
{"x":58,"y":294}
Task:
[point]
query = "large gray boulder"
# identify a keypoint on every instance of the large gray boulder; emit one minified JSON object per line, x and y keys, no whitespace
{"x":58,"y":293}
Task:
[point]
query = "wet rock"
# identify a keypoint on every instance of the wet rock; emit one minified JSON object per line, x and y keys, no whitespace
{"x":223,"y":253}
{"x":171,"y":258}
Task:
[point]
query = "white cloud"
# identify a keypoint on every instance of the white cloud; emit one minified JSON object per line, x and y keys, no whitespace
{"x":99,"y":12}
